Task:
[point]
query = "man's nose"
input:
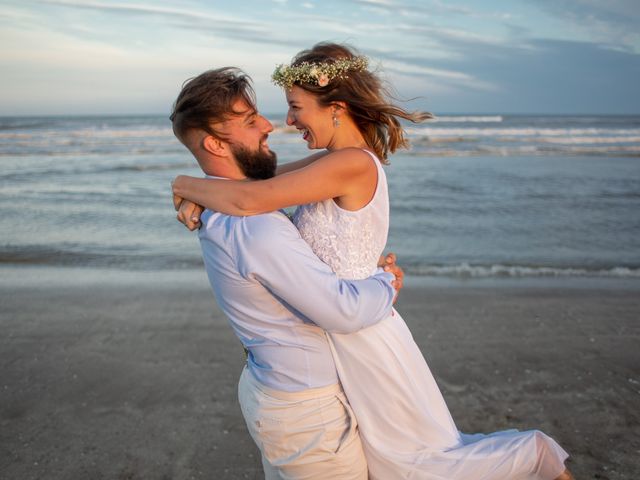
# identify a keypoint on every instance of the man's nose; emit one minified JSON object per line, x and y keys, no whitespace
{"x":266,"y":125}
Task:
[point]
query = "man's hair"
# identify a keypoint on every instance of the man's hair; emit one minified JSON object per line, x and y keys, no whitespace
{"x":208,"y":99}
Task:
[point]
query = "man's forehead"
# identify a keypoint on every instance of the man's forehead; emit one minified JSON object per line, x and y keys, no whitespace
{"x":240,"y":111}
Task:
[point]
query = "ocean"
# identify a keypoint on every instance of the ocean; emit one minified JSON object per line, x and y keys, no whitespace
{"x":475,"y":196}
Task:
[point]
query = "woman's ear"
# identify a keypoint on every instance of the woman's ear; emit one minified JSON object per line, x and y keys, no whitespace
{"x":214,"y":146}
{"x":339,"y":108}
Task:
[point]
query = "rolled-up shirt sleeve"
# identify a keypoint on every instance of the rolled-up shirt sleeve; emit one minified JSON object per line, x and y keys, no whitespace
{"x":269,"y":249}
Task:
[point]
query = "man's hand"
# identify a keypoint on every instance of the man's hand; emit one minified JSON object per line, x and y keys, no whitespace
{"x":388,"y":263}
{"x":188,"y":212}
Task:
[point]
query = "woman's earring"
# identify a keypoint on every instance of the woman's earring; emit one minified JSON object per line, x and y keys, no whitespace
{"x":336,"y":122}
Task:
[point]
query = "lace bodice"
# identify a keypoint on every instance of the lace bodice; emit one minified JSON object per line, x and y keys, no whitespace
{"x":350,"y":242}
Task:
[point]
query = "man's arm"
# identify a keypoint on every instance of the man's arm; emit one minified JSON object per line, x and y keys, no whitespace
{"x":270,"y":250}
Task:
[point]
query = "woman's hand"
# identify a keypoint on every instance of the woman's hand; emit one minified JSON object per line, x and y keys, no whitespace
{"x":188,"y":212}
{"x":388,"y":263}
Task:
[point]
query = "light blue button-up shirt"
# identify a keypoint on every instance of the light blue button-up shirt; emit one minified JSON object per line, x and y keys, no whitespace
{"x":280,"y":297}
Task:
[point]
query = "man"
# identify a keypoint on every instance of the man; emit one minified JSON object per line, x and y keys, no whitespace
{"x":279,"y":297}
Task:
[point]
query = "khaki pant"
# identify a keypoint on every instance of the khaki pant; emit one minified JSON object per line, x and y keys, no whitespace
{"x":302,"y":435}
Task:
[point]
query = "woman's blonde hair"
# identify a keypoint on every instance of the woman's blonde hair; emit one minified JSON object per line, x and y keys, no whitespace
{"x":365,"y":96}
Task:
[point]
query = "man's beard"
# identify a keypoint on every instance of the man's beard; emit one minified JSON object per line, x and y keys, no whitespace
{"x":258,"y":165}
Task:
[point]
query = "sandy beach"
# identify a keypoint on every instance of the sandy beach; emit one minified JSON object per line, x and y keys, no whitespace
{"x":125,"y":375}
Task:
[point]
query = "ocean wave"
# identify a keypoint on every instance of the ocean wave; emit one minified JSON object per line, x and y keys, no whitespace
{"x":97,"y":169}
{"x":150,"y":167}
{"x":623,"y":149}
{"x":52,"y":256}
{"x":466,"y":270}
{"x":587,"y":140}
{"x":21,"y":136}
{"x":590,"y":139}
{"x":519,"y":132}
{"x":440,"y":150}
{"x":22,"y":123}
{"x":133,"y":259}
{"x":92,"y":133}
{"x":125,"y":133}
{"x":88,"y":149}
{"x":468,"y":118}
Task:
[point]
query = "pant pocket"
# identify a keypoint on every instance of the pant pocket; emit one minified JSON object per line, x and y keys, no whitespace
{"x":349,"y":430}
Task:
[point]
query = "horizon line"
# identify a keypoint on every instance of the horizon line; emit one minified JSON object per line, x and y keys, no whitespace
{"x":283,"y":114}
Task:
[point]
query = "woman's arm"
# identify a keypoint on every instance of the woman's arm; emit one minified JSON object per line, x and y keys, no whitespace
{"x":189,"y":212}
{"x":291,"y":166}
{"x":347,"y":172}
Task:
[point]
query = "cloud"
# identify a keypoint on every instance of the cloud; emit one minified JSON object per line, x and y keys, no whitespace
{"x":378,"y":3}
{"x":309,"y":24}
{"x":451,"y":36}
{"x":386,"y":7}
{"x":614,"y":22}
{"x":225,"y":26}
{"x":551,"y":76}
{"x":260,"y":36}
{"x":433,"y":8}
{"x":170,"y":14}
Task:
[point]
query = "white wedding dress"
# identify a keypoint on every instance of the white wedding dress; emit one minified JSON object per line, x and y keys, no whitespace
{"x":405,"y":425}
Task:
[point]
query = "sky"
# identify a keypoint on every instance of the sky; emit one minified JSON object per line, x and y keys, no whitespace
{"x":68,"y":57}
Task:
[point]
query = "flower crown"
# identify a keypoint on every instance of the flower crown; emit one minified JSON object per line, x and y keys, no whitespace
{"x":317,"y":73}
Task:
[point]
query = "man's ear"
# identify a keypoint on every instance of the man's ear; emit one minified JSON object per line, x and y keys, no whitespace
{"x":214,"y":146}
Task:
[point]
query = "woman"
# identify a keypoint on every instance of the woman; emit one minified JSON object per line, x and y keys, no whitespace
{"x":407,"y":431}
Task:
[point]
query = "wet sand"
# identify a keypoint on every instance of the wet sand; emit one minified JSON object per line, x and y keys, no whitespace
{"x":115,"y":375}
